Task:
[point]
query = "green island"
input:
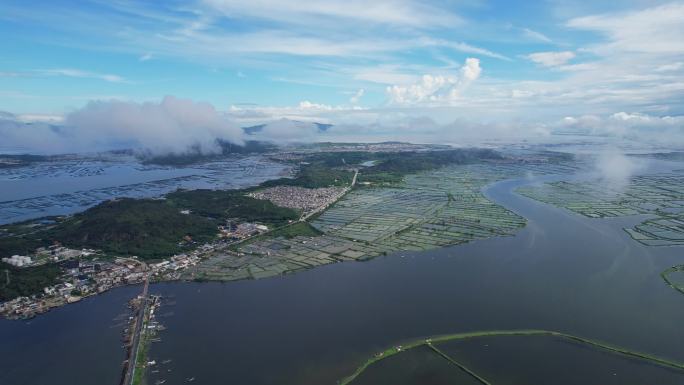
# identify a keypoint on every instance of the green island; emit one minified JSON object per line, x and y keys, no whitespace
{"x":147,"y":228}
{"x":431,"y":343}
{"x":424,"y":211}
{"x":339,"y":206}
{"x":436,"y":207}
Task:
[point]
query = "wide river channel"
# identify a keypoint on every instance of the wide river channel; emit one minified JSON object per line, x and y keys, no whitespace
{"x":561,"y":272}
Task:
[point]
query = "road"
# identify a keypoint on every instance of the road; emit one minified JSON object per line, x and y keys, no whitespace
{"x":135,"y":341}
{"x":303,"y":218}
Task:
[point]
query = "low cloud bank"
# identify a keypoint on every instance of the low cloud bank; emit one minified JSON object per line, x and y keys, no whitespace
{"x":659,"y":130}
{"x":172,"y":126}
{"x":615,"y":170}
{"x":182,"y":126}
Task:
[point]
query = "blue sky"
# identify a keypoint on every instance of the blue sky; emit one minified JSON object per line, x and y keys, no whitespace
{"x":349,"y":62}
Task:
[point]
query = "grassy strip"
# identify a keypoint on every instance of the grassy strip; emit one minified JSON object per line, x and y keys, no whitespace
{"x":673,"y":269}
{"x":139,"y":371}
{"x":288,"y":231}
{"x":141,"y":357}
{"x":460,"y":366}
{"x":499,"y":333}
{"x":295,"y":230}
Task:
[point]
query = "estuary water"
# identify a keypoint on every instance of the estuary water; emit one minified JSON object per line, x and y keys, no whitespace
{"x":561,"y":272}
{"x":72,"y":184}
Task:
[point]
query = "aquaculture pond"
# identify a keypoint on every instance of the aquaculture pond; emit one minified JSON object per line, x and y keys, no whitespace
{"x":553,"y":360}
{"x":562,"y":272}
{"x":72,"y":184}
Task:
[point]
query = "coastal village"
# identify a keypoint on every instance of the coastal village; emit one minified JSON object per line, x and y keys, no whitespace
{"x":418,"y":214}
{"x":83,"y":277}
{"x":86,"y":272}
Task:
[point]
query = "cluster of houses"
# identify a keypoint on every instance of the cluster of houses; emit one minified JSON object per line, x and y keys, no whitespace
{"x":43,"y":255}
{"x":237,"y":231}
{"x":82,"y":278}
{"x":294,"y":197}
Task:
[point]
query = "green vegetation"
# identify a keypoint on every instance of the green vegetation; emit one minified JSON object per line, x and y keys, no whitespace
{"x":289,"y":231}
{"x":392,"y":167}
{"x":147,"y":228}
{"x":459,"y":365}
{"x":297,"y":229}
{"x":158,"y":228}
{"x":25,"y":281}
{"x":430,"y":342}
{"x":140,"y":362}
{"x":341,"y":159}
{"x":314,"y":176}
{"x":144,"y":227}
{"x":195,"y":155}
{"x":220,"y":205}
{"x":426,"y":211}
{"x":332,"y":168}
{"x":21,"y":244}
{"x":659,"y":195}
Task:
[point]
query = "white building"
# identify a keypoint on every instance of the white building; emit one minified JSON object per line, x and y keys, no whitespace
{"x":18,"y":260}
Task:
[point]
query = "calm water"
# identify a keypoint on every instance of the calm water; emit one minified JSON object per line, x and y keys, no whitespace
{"x":544,"y":360}
{"x":562,"y":272}
{"x":71,"y":185}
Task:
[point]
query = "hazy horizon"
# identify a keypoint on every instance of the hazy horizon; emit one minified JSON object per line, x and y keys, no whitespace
{"x":93,"y":75}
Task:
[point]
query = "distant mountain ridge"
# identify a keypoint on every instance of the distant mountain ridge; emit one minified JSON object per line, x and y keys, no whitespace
{"x":251,"y":130}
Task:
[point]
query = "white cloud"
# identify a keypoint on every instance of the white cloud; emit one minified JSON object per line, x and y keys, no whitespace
{"x":304,"y":111}
{"x":670,"y":67}
{"x":436,"y":89}
{"x":422,"y":129}
{"x":173,"y":125}
{"x":145,"y":57}
{"x":307,"y":105}
{"x":42,"y":118}
{"x":640,"y":127}
{"x":615,"y":169}
{"x":384,"y":74}
{"x":652,"y":30}
{"x":170,"y":126}
{"x":357,"y":96}
{"x":197,"y":32}
{"x":75,"y":73}
{"x":551,"y":59}
{"x":534,"y":35}
{"x":320,"y":12}
{"x":461,"y":47}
